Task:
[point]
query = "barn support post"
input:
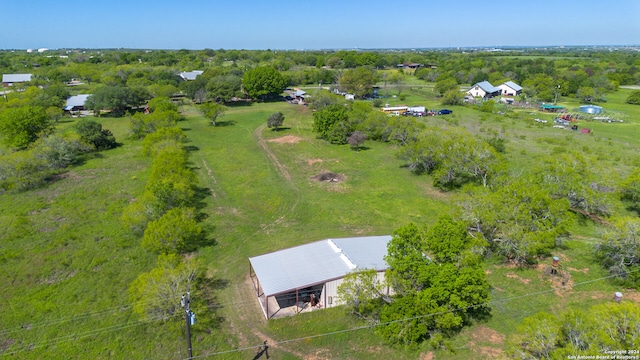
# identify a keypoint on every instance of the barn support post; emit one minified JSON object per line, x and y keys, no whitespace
{"x":324,"y":290}
{"x":297,"y":301}
{"x":266,"y":302}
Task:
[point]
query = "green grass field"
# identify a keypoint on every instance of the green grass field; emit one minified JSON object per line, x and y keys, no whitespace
{"x":67,"y":262}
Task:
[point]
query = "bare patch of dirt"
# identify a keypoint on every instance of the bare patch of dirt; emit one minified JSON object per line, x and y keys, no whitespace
{"x":584,"y":270}
{"x":490,"y":352}
{"x":427,"y":356}
{"x":488,"y":272}
{"x":521,"y":279}
{"x":313,"y":161}
{"x":288,"y":139}
{"x":320,"y":354}
{"x":484,"y":333}
{"x":328,"y":176}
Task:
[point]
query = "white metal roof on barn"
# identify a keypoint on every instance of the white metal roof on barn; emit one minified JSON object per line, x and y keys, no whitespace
{"x":314,"y":263}
{"x":16,"y":78}
{"x":487,"y":87}
{"x":77,"y":100}
{"x":191,"y":75}
{"x":513,"y":85}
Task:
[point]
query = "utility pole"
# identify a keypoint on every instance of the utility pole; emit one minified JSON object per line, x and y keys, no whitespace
{"x":188,"y":315}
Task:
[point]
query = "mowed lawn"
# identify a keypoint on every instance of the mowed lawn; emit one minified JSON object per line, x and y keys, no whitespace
{"x":67,"y":262}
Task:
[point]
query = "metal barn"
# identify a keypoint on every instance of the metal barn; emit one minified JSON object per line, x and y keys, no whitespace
{"x":306,"y":278}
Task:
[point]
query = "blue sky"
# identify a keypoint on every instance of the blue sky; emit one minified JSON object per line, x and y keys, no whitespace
{"x":252,"y":24}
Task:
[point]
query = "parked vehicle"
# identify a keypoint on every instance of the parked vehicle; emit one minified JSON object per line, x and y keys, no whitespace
{"x":445,"y":112}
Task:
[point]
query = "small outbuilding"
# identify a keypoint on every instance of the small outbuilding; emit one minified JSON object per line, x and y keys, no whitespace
{"x":76,"y":102}
{"x":306,"y":277}
{"x":12,"y":79}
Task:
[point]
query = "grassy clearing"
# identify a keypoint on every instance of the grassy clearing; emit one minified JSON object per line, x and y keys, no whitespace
{"x":68,"y":263}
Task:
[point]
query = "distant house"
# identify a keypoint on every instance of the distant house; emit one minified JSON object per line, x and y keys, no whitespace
{"x":484,"y":90}
{"x":300,"y":96}
{"x":190,"y":75}
{"x":76,"y":103}
{"x":510,"y":88}
{"x":11,"y":79}
{"x":409,"y":66}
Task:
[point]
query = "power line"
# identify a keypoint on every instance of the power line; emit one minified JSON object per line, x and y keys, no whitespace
{"x":76,"y":336}
{"x":404,"y":319}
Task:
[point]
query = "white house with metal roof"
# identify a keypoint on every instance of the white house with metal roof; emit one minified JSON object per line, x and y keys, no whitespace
{"x":11,"y":79}
{"x":286,"y":281}
{"x":484,"y":89}
{"x":510,"y":88}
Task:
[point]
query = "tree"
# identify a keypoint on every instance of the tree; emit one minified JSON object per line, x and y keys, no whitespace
{"x":224,"y":87}
{"x":437,"y":290}
{"x":177,"y":231}
{"x":156,"y":294}
{"x":263,"y":82}
{"x":356,"y":139}
{"x":23,"y":125}
{"x":54,"y":113}
{"x":358,"y":81}
{"x":445,"y":84}
{"x":634,"y":98}
{"x":619,"y":250}
{"x":92,"y":133}
{"x":57,"y":151}
{"x":452,"y":97}
{"x":275,"y":120}
{"x":162,"y":103}
{"x":213,"y":111}
{"x":115,"y":99}
{"x":573,"y":176}
{"x":362,"y":292}
{"x":578,"y":333}
{"x":331,"y":124}
{"x":586,"y":94}
{"x":520,"y":219}
{"x":630,"y":190}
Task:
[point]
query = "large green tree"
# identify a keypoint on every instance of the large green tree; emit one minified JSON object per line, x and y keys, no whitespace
{"x":92,"y":133}
{"x":584,"y":332}
{"x":116,"y":99}
{"x":156,"y":294}
{"x":438,"y":280}
{"x":520,"y":219}
{"x":263,"y":82}
{"x":175,"y":232}
{"x":619,"y":250}
{"x":332,"y":124}
{"x":21,"y":126}
{"x":358,"y":81}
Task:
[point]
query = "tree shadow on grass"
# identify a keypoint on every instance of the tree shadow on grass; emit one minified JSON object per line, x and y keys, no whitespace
{"x":208,"y":288}
{"x":360,"y":148}
{"x":224,"y":123}
{"x":280,"y":129}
